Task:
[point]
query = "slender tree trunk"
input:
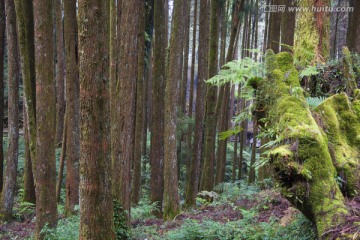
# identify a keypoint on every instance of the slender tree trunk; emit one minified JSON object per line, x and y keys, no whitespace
{"x":2,"y":53}
{"x":25,"y":21}
{"x":242,"y":140}
{"x":267,"y":26}
{"x":287,"y":25}
{"x":29,"y":184}
{"x":72,"y":108}
{"x":60,"y":86}
{"x":139,"y":106}
{"x":207,"y":179}
{"x":62,"y":163}
{"x":46,"y":210}
{"x":353,"y":33}
{"x":185,"y":74}
{"x":194,"y":174}
{"x":172,"y":94}
{"x":253,"y":152}
{"x":126,"y":99}
{"x":8,"y":193}
{"x":158,"y":95}
{"x":96,"y":212}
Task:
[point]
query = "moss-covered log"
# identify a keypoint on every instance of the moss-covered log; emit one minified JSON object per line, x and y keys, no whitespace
{"x":316,"y":156}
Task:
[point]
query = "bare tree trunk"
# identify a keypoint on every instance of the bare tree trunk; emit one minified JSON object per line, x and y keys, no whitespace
{"x":8,"y":192}
{"x":353,"y":33}
{"x":172,"y":94}
{"x":46,"y":210}
{"x":62,"y":164}
{"x":72,"y":108}
{"x":60,"y":83}
{"x":96,"y":220}
{"x":139,"y":107}
{"x":158,"y":95}
{"x":287,"y":25}
{"x":253,"y":152}
{"x":273,"y":41}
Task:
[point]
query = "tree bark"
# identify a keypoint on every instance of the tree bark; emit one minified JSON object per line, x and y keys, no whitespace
{"x":46,"y":210}
{"x":287,"y":25}
{"x":252,"y":174}
{"x":60,"y":83}
{"x":126,"y":99}
{"x":139,"y":107}
{"x":158,"y":104}
{"x":72,"y":108}
{"x":96,"y":212}
{"x":353,"y":33}
{"x":207,"y":179}
{"x":8,"y":192}
{"x":273,"y":41}
{"x":2,"y":53}
{"x":194,"y":174}
{"x":25,"y":21}
{"x":172,"y":94}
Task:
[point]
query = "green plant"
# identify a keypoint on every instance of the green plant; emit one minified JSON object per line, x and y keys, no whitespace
{"x":120,"y":225}
{"x":66,"y":229}
{"x":144,"y":209}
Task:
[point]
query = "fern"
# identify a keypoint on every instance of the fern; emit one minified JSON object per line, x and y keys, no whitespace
{"x":314,"y":101}
{"x":309,"y":71}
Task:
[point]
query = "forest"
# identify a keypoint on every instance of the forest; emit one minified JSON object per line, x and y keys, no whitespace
{"x":180,"y":119}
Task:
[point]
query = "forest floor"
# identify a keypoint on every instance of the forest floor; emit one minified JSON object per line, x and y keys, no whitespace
{"x":236,"y":213}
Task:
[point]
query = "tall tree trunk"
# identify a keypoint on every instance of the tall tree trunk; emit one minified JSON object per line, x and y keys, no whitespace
{"x":60,"y":86}
{"x":158,"y":96}
{"x":273,"y":41}
{"x":172,"y":94}
{"x":139,"y":106}
{"x":353,"y":33}
{"x":126,"y":98}
{"x":207,"y":179}
{"x":224,"y":121}
{"x":46,"y":210}
{"x":267,"y":26}
{"x":287,"y":25}
{"x":25,"y":21}
{"x":2,"y":53}
{"x":312,"y":33}
{"x":96,"y":213}
{"x":8,"y":193}
{"x":253,"y":152}
{"x":194,"y":174}
{"x":72,"y":108}
{"x":62,"y":164}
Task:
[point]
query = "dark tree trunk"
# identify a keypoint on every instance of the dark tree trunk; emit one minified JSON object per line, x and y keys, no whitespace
{"x":25,"y":21}
{"x":96,"y":213}
{"x":2,"y":53}
{"x":172,"y":94}
{"x":287,"y":25}
{"x":158,"y":95}
{"x":207,"y":179}
{"x":353,"y":34}
{"x":72,"y":108}
{"x":139,"y":107}
{"x":273,"y":41}
{"x":60,"y":86}
{"x":194,"y":174}
{"x":8,"y":192}
{"x":46,"y":210}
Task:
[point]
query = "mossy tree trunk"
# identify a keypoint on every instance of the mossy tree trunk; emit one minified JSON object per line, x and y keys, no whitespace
{"x":207,"y":178}
{"x":46,"y":210}
{"x":314,"y":149}
{"x":158,"y":96}
{"x":312,"y":33}
{"x":72,"y":128}
{"x":194,"y":170}
{"x":2,"y":53}
{"x":25,"y":21}
{"x":8,"y":192}
{"x":172,"y":94}
{"x":96,"y":212}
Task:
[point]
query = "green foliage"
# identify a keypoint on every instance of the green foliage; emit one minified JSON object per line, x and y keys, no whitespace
{"x":309,"y":71}
{"x":313,"y":102}
{"x":121,"y":228}
{"x":67,"y":228}
{"x":143,"y":210}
